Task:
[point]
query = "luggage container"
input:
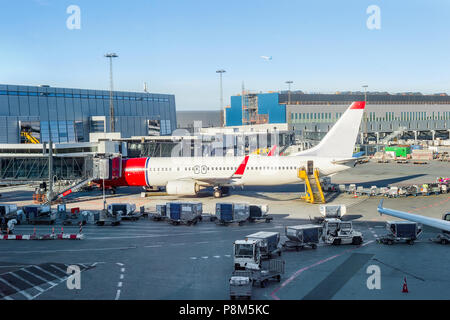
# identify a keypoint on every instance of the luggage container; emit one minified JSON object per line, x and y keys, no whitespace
{"x":424,"y":190}
{"x":435,"y":188}
{"x":184,"y":212}
{"x":392,"y":193}
{"x":302,"y":235}
{"x":259,"y":212}
{"x":8,"y":211}
{"x":227,"y":213}
{"x":39,"y":214}
{"x":352,"y":188}
{"x":373,"y":191}
{"x":74,"y":217}
{"x":114,"y":217}
{"x":341,"y":188}
{"x":269,"y":243}
{"x":331,"y":211}
{"x":413,"y":191}
{"x":401,"y":231}
{"x":161,"y":212}
{"x":127,"y":210}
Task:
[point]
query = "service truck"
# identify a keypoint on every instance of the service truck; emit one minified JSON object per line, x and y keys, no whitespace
{"x":339,"y":232}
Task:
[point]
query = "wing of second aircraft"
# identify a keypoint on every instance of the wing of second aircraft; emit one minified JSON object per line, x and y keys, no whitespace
{"x":431,"y":222}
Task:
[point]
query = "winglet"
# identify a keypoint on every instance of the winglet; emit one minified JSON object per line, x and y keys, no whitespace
{"x":358,"y":105}
{"x":272,"y":151}
{"x":241,"y":169}
{"x":380,"y":207}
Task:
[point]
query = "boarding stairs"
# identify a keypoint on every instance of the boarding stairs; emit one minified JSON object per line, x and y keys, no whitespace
{"x":313,"y":188}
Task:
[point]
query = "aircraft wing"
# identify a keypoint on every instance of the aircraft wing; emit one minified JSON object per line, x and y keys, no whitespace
{"x":221,"y":180}
{"x":345,"y":161}
{"x":431,"y":222}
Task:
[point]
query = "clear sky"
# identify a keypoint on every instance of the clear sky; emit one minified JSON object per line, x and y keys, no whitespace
{"x":176,"y":46}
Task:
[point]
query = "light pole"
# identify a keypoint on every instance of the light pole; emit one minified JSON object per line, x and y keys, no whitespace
{"x":289,"y":82}
{"x":221,"y":72}
{"x":111,"y":104}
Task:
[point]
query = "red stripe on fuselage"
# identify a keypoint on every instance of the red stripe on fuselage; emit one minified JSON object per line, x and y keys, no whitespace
{"x":133,"y":174}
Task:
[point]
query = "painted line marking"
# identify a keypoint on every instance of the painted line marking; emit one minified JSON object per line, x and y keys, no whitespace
{"x":121,"y":276}
{"x":119,"y":264}
{"x":119,"y":284}
{"x":39,"y":277}
{"x":26,"y":295}
{"x":49,"y":273}
{"x":26,"y":281}
{"x":117,"y":294}
{"x":298,"y":272}
{"x":122,"y":270}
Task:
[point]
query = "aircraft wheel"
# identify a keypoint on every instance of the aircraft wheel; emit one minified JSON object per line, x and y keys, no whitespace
{"x":217,"y":193}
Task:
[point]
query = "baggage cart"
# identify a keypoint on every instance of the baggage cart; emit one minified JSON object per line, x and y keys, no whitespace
{"x":401,"y":231}
{"x":227,"y":213}
{"x":259,"y":212}
{"x":269,"y":243}
{"x":301,"y":236}
{"x":241,"y":285}
{"x":184,"y":212}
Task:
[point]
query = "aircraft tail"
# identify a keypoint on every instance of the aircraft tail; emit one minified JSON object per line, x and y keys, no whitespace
{"x":339,"y":142}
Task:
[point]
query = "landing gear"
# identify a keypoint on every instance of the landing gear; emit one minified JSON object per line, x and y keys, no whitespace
{"x":217,"y":193}
{"x":220,"y":191}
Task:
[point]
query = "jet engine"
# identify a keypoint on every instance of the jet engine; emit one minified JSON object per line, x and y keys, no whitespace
{"x":185,"y":188}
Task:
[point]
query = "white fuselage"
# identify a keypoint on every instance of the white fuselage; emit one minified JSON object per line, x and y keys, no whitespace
{"x":260,"y":170}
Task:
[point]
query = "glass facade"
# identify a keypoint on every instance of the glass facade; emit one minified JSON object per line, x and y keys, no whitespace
{"x":65,"y":113}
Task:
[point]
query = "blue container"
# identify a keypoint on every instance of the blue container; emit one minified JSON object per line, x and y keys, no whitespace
{"x":175,"y":211}
{"x":224,"y":211}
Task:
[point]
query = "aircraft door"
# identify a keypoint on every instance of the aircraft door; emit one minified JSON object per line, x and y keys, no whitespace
{"x":310,"y":167}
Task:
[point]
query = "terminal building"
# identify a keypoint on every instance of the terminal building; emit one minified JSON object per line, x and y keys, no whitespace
{"x":30,"y":114}
{"x":310,"y":116}
{"x":77,"y":120}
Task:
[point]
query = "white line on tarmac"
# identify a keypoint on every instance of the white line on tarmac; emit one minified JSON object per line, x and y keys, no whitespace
{"x":26,"y":295}
{"x":39,"y":277}
{"x":119,"y":264}
{"x":67,"y":250}
{"x":26,"y":281}
{"x":118,"y":294}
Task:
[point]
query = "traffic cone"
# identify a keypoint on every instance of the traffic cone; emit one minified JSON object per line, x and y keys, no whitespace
{"x":355,"y":195}
{"x":405,"y":287}
{"x":62,"y":230}
{"x":81,"y":228}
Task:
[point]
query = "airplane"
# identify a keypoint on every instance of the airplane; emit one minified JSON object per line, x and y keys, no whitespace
{"x":443,"y":224}
{"x":186,"y":176}
{"x":266,"y":58}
